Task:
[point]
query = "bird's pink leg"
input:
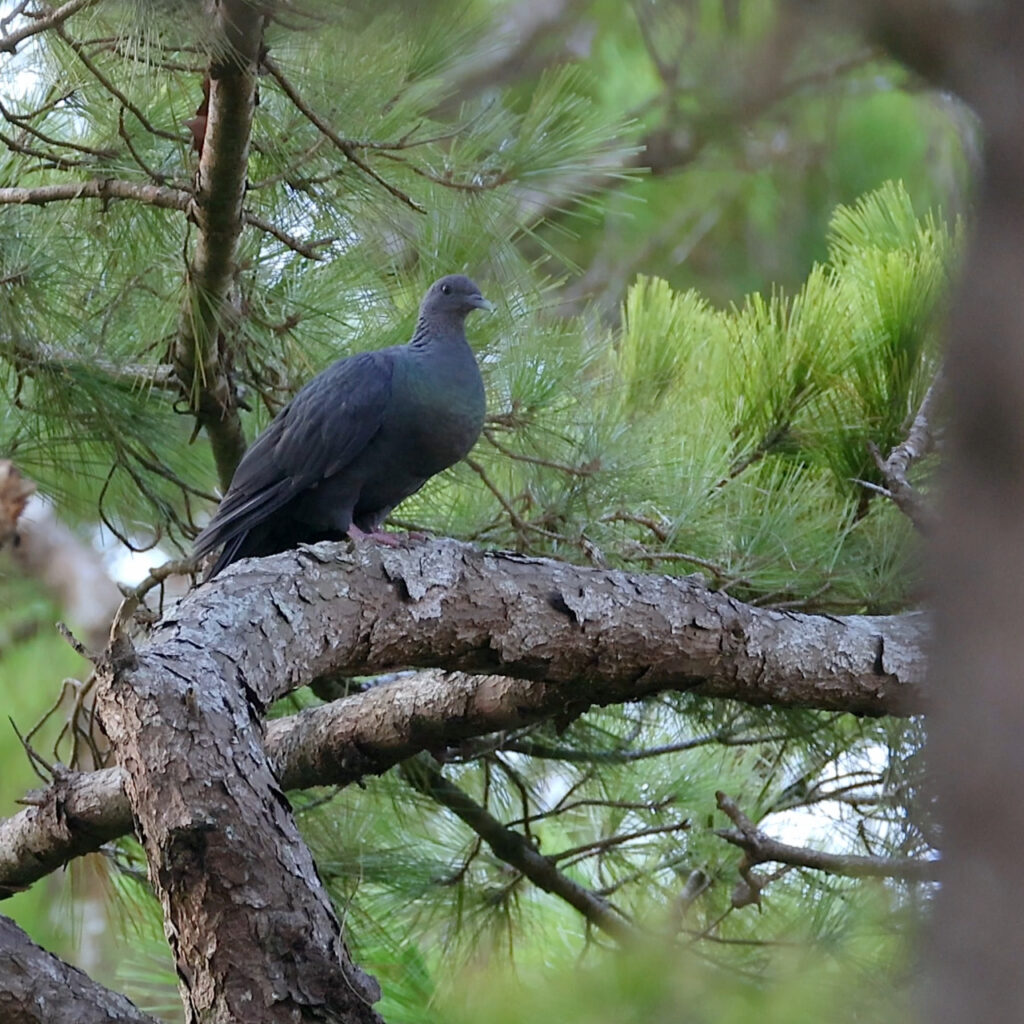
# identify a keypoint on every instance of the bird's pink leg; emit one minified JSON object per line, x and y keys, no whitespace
{"x":389,"y":540}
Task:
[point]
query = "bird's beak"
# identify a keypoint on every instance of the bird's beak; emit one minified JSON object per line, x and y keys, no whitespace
{"x":479,"y":302}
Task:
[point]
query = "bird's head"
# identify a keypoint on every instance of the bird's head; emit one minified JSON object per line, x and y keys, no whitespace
{"x":452,"y":295}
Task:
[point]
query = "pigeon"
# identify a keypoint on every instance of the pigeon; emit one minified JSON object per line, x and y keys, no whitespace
{"x":357,"y":439}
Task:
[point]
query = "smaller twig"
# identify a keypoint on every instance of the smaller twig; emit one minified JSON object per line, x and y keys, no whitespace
{"x":307,"y":249}
{"x":48,"y":160}
{"x":513,"y":847}
{"x":46,"y":772}
{"x":651,"y":806}
{"x":16,"y":12}
{"x":9,"y":43}
{"x":587,"y":469}
{"x":346,"y":146}
{"x":24,"y":122}
{"x":496,"y":180}
{"x":538,"y":748}
{"x":520,"y":525}
{"x":598,"y":846}
{"x":659,"y":527}
{"x":155,"y":176}
{"x":759,"y":849}
{"x":919,"y":442}
{"x":79,"y":51}
{"x":134,"y":597}
{"x":76,"y":645}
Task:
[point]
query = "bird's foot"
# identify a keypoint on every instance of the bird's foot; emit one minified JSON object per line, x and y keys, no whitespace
{"x":389,"y":540}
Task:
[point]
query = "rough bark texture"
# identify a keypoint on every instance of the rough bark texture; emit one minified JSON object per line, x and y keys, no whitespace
{"x":598,"y":635}
{"x":39,"y":988}
{"x":251,"y":927}
{"x":73,"y":817}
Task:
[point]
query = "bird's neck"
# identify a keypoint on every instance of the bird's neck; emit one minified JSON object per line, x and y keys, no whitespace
{"x":438,"y":331}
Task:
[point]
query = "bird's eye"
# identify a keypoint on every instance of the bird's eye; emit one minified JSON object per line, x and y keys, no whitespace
{"x":446,"y":288}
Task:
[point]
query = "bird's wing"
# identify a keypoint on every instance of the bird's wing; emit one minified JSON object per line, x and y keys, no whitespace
{"x":325,"y":426}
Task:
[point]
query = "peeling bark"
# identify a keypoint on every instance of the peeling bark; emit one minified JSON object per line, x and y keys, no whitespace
{"x":40,"y":988}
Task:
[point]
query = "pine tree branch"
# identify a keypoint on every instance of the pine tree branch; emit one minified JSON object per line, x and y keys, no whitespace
{"x":226,"y":858}
{"x":575,"y":637}
{"x":37,"y":987}
{"x":32,"y":357}
{"x":24,"y":122}
{"x":9,"y":42}
{"x":761,"y":849}
{"x":201,"y":353}
{"x":513,"y":847}
{"x":160,"y":196}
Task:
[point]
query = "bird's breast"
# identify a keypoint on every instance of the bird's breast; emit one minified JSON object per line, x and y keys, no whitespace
{"x":440,"y":414}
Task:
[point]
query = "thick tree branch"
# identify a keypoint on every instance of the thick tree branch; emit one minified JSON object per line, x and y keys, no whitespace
{"x":513,"y":847}
{"x":250,"y":925}
{"x":74,"y":816}
{"x":578,"y":637}
{"x":201,"y":353}
{"x":761,"y":849}
{"x":37,"y":987}
{"x":596,"y":636}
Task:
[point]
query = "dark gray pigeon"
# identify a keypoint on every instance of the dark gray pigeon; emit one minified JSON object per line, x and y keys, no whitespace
{"x":360,"y":437}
